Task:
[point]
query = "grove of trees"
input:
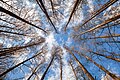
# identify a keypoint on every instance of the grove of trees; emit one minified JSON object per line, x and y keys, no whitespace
{"x":59,"y":39}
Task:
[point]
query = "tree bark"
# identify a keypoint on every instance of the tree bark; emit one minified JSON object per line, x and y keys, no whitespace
{"x":109,"y":57}
{"x":105,"y":36}
{"x":41,"y":5}
{"x":43,"y":76}
{"x":34,"y":71}
{"x":60,"y":68}
{"x":4,"y":52}
{"x":102,"y":24}
{"x":80,"y":64}
{"x":73,"y":70}
{"x":104,"y":7}
{"x":12,"y":68}
{"x":21,"y":19}
{"x":72,"y":12}
{"x":100,"y":66}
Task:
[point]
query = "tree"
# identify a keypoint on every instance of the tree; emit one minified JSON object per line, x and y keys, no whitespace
{"x":59,"y":39}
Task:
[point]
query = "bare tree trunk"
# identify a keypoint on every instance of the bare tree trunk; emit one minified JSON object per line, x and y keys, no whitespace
{"x":43,"y":76}
{"x":2,"y":31}
{"x":15,"y":16}
{"x":7,"y":21}
{"x":34,"y":71}
{"x":12,"y":68}
{"x":9,"y":5}
{"x":102,"y":24}
{"x":73,"y":11}
{"x":60,"y":68}
{"x":4,"y":26}
{"x":105,"y":6}
{"x":80,"y":64}
{"x":12,"y":49}
{"x":106,"y":36}
{"x":101,"y":67}
{"x":73,"y":70}
{"x":41,"y":5}
{"x":109,"y":42}
{"x":52,"y":5}
{"x":109,"y":57}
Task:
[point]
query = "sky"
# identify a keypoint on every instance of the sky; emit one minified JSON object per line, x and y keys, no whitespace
{"x":62,"y":38}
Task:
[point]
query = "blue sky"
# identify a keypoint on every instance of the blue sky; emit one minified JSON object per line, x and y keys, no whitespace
{"x":65,"y":38}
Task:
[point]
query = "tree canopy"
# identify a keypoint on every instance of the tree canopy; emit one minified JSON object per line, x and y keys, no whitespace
{"x":59,"y":40}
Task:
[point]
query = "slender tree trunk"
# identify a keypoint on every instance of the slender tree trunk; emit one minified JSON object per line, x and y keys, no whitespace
{"x":102,"y":24}
{"x":104,"y":7}
{"x":109,"y":57}
{"x":43,"y":76}
{"x":41,"y":5}
{"x":13,"y":33}
{"x":113,"y":35}
{"x":51,"y":2}
{"x":7,"y":21}
{"x":12,"y":49}
{"x":60,"y":68}
{"x":73,"y":11}
{"x":2,"y":26}
{"x":9,"y":5}
{"x":15,"y":16}
{"x":101,"y":67}
{"x":110,"y":25}
{"x":80,"y":64}
{"x":109,"y":42}
{"x":73,"y":71}
{"x":34,"y":71}
{"x":12,"y":68}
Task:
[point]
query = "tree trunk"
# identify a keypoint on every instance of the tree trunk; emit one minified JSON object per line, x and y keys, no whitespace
{"x":43,"y":76}
{"x":6,"y":51}
{"x":80,"y":64}
{"x":106,"y":36}
{"x":72,"y":12}
{"x":102,"y":24}
{"x":104,"y":7}
{"x":15,"y":16}
{"x":73,"y":71}
{"x":34,"y":71}
{"x":10,"y":69}
{"x":109,"y":57}
{"x":60,"y":68}
{"x":41,"y":5}
{"x":101,"y":67}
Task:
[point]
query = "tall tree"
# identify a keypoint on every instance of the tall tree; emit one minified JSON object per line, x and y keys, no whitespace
{"x":86,"y":50}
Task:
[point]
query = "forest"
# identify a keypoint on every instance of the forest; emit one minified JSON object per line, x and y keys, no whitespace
{"x":59,"y":39}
